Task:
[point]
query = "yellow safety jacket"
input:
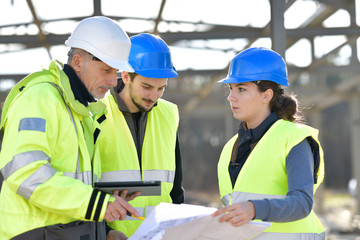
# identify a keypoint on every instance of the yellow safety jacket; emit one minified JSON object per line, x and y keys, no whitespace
{"x":45,"y":161}
{"x":264,"y":176}
{"x":119,"y":159}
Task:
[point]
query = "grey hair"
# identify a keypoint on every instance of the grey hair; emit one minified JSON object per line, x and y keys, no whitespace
{"x":74,"y":51}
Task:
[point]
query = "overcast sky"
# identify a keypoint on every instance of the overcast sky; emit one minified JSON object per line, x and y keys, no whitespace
{"x":202,"y":54}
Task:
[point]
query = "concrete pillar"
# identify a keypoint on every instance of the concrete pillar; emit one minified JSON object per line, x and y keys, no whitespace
{"x":278,"y":33}
{"x":97,"y":8}
{"x":355,"y":142}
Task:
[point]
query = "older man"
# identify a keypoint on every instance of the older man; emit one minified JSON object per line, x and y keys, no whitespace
{"x":48,"y":140}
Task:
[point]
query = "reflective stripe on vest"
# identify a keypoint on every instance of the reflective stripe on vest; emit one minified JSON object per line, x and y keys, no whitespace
{"x":290,"y":236}
{"x":28,"y":186}
{"x":244,"y":196}
{"x":85,"y":177}
{"x":162,"y":175}
{"x":21,"y":160}
{"x":134,"y":175}
{"x":121,"y":175}
{"x":41,"y":175}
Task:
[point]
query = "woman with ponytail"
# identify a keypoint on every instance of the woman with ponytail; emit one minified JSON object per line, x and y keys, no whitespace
{"x":270,"y":170}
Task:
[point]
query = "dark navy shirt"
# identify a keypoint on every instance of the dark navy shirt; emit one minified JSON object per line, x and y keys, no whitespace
{"x":248,"y":138}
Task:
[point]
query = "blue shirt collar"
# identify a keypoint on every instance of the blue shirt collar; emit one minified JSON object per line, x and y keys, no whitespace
{"x":254,"y":135}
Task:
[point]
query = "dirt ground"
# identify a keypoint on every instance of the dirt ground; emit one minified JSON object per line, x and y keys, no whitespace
{"x":337,"y":212}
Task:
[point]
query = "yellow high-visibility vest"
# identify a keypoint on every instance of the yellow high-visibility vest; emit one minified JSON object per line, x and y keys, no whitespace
{"x":119,"y":159}
{"x":264,"y":176}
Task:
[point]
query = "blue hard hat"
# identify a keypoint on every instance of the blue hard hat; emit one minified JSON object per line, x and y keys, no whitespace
{"x":150,"y":57}
{"x":258,"y":63}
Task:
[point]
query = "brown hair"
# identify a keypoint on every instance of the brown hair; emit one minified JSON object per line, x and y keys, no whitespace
{"x":132,"y":75}
{"x":285,"y":106}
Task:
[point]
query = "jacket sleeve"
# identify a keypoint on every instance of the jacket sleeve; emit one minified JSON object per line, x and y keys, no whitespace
{"x":29,"y":158}
{"x":299,"y":198}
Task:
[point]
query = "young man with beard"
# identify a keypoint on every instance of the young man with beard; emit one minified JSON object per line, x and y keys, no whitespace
{"x":139,"y":140}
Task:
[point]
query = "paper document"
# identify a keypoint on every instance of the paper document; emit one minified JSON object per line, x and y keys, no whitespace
{"x":188,"y":222}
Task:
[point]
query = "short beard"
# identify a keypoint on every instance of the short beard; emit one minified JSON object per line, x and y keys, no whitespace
{"x":141,"y":108}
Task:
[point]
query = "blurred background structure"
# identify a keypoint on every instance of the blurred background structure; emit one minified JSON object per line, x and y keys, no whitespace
{"x":318,"y":39}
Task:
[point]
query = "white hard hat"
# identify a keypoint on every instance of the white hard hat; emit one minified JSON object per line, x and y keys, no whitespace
{"x":103,"y":38}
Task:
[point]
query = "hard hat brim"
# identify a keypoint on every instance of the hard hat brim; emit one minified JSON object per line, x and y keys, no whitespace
{"x":235,"y":80}
{"x":121,"y":66}
{"x":156,"y":73}
{"x":229,"y":79}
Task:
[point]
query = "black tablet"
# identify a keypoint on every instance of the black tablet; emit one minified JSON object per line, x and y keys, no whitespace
{"x":147,"y":188}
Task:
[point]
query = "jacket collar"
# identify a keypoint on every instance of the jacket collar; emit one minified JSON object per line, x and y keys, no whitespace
{"x":93,"y":108}
{"x":81,"y":93}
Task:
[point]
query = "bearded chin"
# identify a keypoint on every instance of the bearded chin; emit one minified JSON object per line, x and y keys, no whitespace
{"x":140,"y":107}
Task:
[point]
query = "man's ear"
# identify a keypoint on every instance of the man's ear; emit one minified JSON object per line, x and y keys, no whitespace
{"x":125,"y":77}
{"x":78,"y":62}
{"x":268,"y":95}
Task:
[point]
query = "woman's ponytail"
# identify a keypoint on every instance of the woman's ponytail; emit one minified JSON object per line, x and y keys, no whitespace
{"x":285,"y":106}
